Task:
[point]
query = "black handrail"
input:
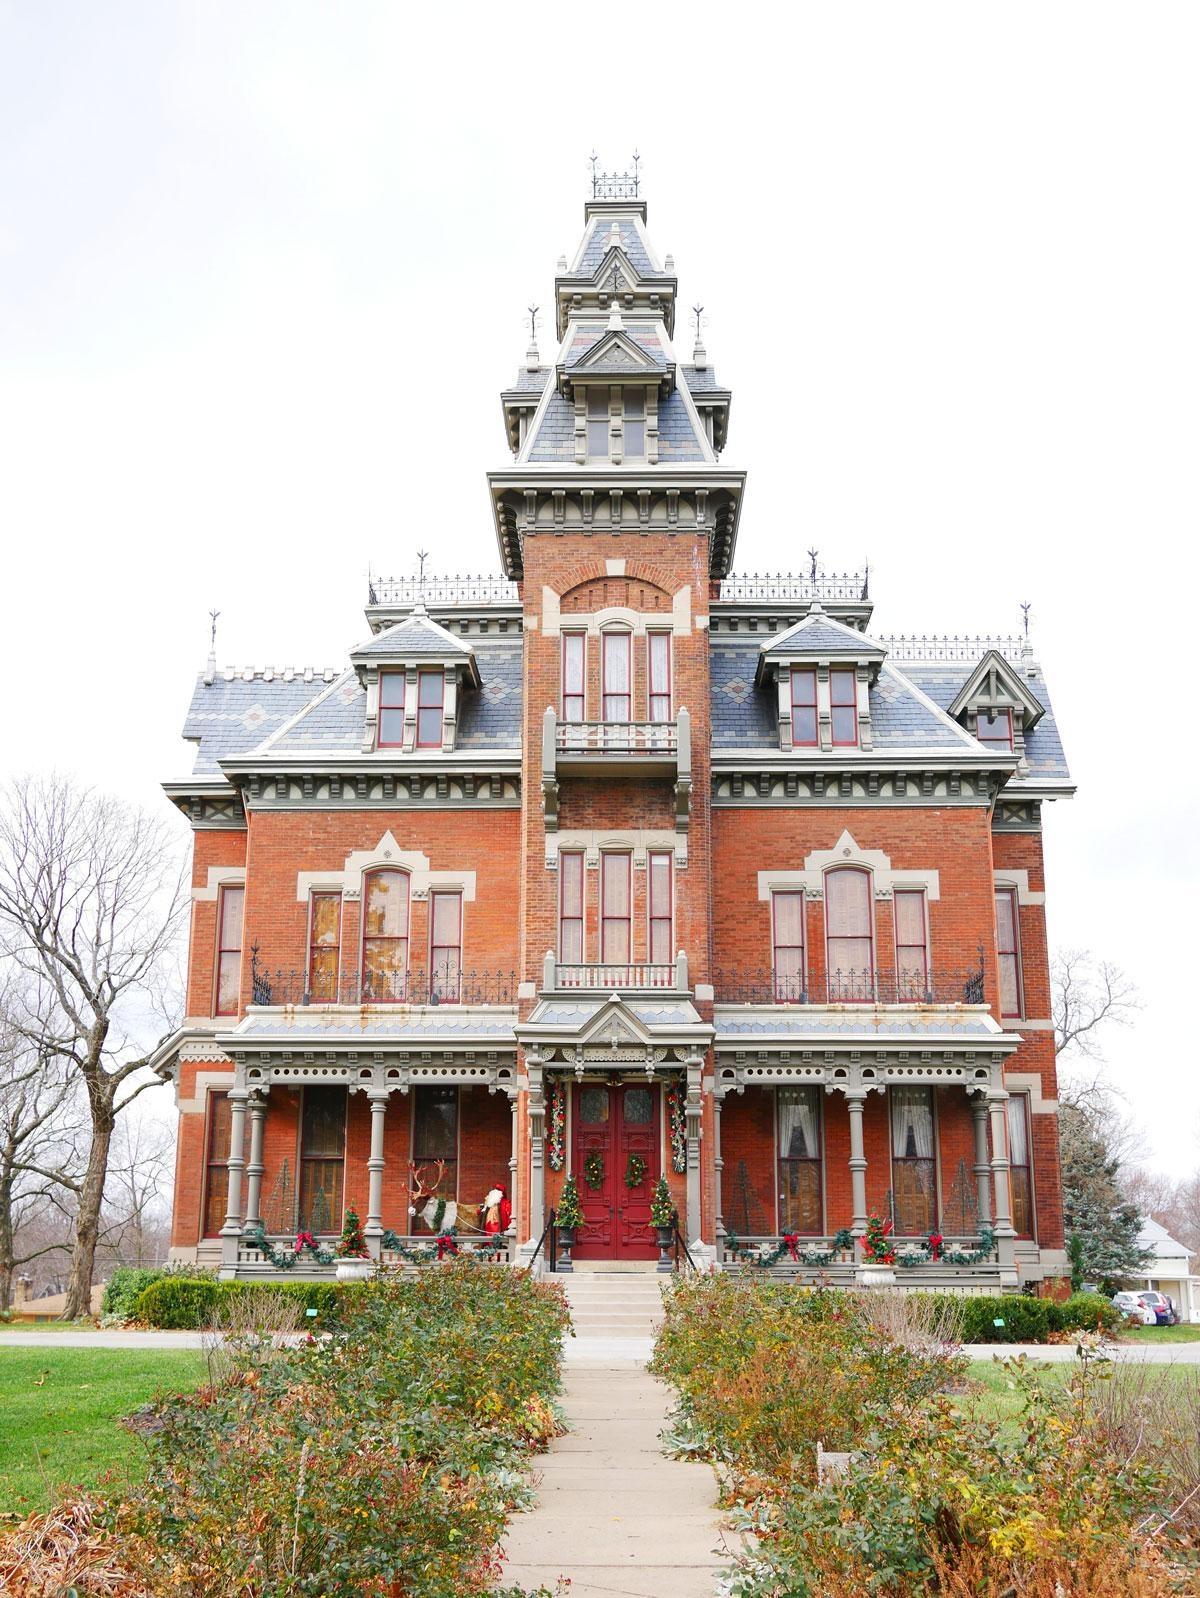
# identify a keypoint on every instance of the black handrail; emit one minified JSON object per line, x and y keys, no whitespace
{"x":680,"y":1244}
{"x":549,"y":1231}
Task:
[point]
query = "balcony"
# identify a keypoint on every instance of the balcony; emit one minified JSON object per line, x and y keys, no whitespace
{"x":860,"y":988}
{"x":638,"y":976}
{"x":276,"y":989}
{"x":650,"y":747}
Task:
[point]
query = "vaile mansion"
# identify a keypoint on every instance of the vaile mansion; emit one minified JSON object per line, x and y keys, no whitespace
{"x":616,"y":864}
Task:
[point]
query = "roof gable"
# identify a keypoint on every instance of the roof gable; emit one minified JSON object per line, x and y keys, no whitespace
{"x":819,"y":634}
{"x":996,"y":681}
{"x":614,"y":349}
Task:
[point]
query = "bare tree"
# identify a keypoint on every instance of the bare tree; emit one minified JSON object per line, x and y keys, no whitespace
{"x":136,"y":1203}
{"x":1088,"y":996}
{"x":91,"y":901}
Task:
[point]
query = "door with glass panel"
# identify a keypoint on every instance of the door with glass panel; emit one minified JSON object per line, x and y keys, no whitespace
{"x":615,"y":1159}
{"x":914,"y":1162}
{"x":637,"y":1129}
{"x":435,"y":1146}
{"x":801,"y":1206}
{"x":593,"y":1166}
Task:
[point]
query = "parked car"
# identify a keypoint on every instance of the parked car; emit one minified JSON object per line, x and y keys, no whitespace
{"x":1131,"y":1306}
{"x":1164,"y":1312}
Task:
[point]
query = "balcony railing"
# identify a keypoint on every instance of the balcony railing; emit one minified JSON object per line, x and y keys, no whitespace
{"x":457,"y":590}
{"x":636,"y":976}
{"x":773,"y":986}
{"x":617,"y":737}
{"x":441,"y":985}
{"x":791,"y":585}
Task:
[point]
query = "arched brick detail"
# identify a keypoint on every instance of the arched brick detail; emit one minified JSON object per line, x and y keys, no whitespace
{"x":602,"y":592}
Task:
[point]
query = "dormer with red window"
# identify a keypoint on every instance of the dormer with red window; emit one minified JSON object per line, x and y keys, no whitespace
{"x":822,"y":673}
{"x":414,"y":674}
{"x":997,"y":705}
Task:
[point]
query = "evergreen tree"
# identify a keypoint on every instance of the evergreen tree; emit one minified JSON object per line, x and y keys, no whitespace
{"x":1102,"y":1229}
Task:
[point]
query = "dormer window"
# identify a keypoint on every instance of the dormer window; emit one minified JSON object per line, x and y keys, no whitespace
{"x":632,"y":417}
{"x":597,"y":423}
{"x":415,"y":674}
{"x":391,"y":709}
{"x":843,"y":708}
{"x":804,"y":707}
{"x":633,"y":411}
{"x":431,"y":699}
{"x":995,"y":729}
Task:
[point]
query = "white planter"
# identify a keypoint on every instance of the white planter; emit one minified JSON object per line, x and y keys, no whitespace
{"x":352,"y":1270}
{"x":875,"y":1276}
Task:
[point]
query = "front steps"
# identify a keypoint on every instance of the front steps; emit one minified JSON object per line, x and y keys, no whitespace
{"x":614,"y":1303}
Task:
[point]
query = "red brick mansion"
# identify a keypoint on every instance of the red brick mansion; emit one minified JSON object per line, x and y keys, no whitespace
{"x":616,"y":864}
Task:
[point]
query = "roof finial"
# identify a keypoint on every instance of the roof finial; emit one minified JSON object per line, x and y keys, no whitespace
{"x":210,"y":671}
{"x":419,"y":608}
{"x":699,"y":354}
{"x":593,"y":158}
{"x":1026,"y":607}
{"x":532,"y":359}
{"x":812,"y":555}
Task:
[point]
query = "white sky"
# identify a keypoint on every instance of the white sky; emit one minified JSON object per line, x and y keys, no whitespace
{"x":263,"y":272}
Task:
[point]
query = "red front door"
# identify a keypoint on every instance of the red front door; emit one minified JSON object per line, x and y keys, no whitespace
{"x":616,"y":1135}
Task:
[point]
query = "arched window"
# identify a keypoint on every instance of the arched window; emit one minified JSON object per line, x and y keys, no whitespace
{"x":385,"y":937}
{"x":849,"y":934}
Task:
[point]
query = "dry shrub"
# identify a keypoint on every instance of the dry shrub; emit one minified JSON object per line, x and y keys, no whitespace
{"x":249,"y":1329}
{"x":922,"y":1323}
{"x":1112,"y":1573}
{"x":1146,"y":1412}
{"x":64,"y":1551}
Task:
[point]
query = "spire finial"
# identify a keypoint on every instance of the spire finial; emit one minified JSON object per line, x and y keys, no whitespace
{"x":532,"y":359}
{"x":699,"y":353}
{"x":593,"y":158}
{"x":812,"y":555}
{"x":210,"y":670}
{"x":1026,"y":607}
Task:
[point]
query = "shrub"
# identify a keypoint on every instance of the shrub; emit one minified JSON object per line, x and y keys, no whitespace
{"x":178,"y":1303}
{"x":1088,"y":1312}
{"x":1024,"y":1319}
{"x":125,"y":1286}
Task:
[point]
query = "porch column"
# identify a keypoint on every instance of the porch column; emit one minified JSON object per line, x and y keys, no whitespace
{"x":1002,"y":1213}
{"x":983,"y":1170}
{"x":692,"y":1112}
{"x":537,"y":1138}
{"x":855,"y":1099}
{"x":514,"y":1104}
{"x":255,"y":1166}
{"x":232,"y":1229}
{"x":719,"y":1166}
{"x":373,"y":1230}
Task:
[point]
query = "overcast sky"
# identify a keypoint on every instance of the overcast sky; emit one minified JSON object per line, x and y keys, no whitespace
{"x":263,"y":271}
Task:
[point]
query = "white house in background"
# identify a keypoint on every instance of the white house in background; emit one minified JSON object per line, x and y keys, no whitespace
{"x":1169,"y":1269}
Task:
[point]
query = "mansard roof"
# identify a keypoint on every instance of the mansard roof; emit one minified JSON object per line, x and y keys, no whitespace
{"x":631,"y":347}
{"x":417,"y":638}
{"x":822,"y":637}
{"x":233,"y":709}
{"x":942,"y":681}
{"x":553,"y":437}
{"x":599,"y":238}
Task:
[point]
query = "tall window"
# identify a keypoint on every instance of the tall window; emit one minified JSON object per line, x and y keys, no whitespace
{"x":570,"y":908}
{"x":804,"y":707}
{"x":431,"y":699}
{"x":322,"y":1159}
{"x":391,"y":709}
{"x":231,"y":904}
{"x":1008,"y":950}
{"x":659,"y":866}
{"x":216,"y":1165}
{"x":800,"y":1160}
{"x":597,"y":423}
{"x":573,"y":666}
{"x":324,"y":946}
{"x":995,"y":729}
{"x":658,"y":648}
{"x":615,"y":649}
{"x":914,"y":1170}
{"x":615,"y":909}
{"x":849,"y":934}
{"x":445,"y":947}
{"x":385,"y":937}
{"x":1020,"y":1173}
{"x":787,"y":939}
{"x":434,"y":1140}
{"x":633,"y":404}
{"x":843,"y":706}
{"x":912,"y":950}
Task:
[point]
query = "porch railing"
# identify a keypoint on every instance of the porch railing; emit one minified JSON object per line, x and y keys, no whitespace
{"x":773,"y":985}
{"x":453,"y":590}
{"x":607,"y":977}
{"x":443,"y":984}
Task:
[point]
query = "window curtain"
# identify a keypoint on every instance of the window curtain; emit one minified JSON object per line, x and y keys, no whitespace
{"x":848,"y":920}
{"x":800,"y":1207}
{"x":799,"y":1124}
{"x":912,"y":1123}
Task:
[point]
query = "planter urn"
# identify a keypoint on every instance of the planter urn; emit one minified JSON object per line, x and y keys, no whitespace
{"x":566,"y":1242}
{"x":355,"y":1270}
{"x":875,"y":1276}
{"x":664,"y":1236}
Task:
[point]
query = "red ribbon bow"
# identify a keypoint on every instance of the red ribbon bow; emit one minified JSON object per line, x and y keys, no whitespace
{"x":446,"y":1245}
{"x":791,"y":1239}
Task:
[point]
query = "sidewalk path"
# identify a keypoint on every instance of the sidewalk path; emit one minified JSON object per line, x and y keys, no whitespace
{"x":612,"y":1513}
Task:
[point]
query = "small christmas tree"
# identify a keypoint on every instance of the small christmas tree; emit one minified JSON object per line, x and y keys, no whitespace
{"x":570,"y":1216}
{"x":352,"y":1245}
{"x":878,"y":1248}
{"x":662,"y":1205}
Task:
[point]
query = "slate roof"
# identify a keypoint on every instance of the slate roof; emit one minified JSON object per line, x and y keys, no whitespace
{"x":595,"y":247}
{"x":586,"y":335}
{"x":817,"y":1022}
{"x":531,"y":382}
{"x":577,"y":1012}
{"x":822,"y":635}
{"x":236,"y":712}
{"x":941,"y":680}
{"x":701,"y":380}
{"x":415,"y":636}
{"x":555,"y":436}
{"x":403,"y":1025}
{"x":677,"y":439}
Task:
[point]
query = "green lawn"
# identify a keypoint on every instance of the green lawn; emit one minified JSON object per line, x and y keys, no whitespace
{"x":994,"y":1395}
{"x":88,"y":1325}
{"x":1161,"y":1334}
{"x":60,"y":1407}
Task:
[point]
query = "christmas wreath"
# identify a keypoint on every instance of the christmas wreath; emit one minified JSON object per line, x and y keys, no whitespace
{"x":677,"y":1119}
{"x":635,"y":1171}
{"x":593,"y":1170}
{"x":558,"y":1121}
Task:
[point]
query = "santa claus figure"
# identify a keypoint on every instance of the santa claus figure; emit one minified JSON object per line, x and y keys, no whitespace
{"x":496,"y":1211}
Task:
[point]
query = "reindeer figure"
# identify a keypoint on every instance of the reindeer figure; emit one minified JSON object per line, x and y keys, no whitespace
{"x":423,"y":1200}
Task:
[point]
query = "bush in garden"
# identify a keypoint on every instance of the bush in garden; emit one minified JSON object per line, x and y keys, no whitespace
{"x":383,"y":1459}
{"x":178,"y":1303}
{"x":1024,"y":1319}
{"x":1088,"y":1312}
{"x":125,"y":1286}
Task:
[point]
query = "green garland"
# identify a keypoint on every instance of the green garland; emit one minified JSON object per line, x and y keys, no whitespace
{"x":427,"y":1253}
{"x":557,"y":1117}
{"x":593,"y":1170}
{"x":765,"y":1259}
{"x":973,"y":1256}
{"x":285,"y":1259}
{"x":635,"y":1172}
{"x":677,"y":1116}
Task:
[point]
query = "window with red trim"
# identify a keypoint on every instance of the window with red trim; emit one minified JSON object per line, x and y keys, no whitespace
{"x":995,"y":728}
{"x":573,"y":679}
{"x":445,"y":947}
{"x":615,"y":653}
{"x":804,"y":707}
{"x":324,"y":947}
{"x":216,"y":1164}
{"x":616,"y":909}
{"x":385,"y":937}
{"x":843,"y":706}
{"x":787,"y":944}
{"x":1019,"y":1166}
{"x":658,"y":647}
{"x":570,"y":908}
{"x":431,"y":699}
{"x":849,"y":934}
{"x":1008,"y":951}
{"x":322,"y":1159}
{"x":391,"y":710}
{"x":231,"y":904}
{"x":659,"y":868}
{"x":912,"y":945}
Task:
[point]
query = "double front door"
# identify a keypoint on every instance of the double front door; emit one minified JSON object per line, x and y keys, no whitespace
{"x":615,"y":1158}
